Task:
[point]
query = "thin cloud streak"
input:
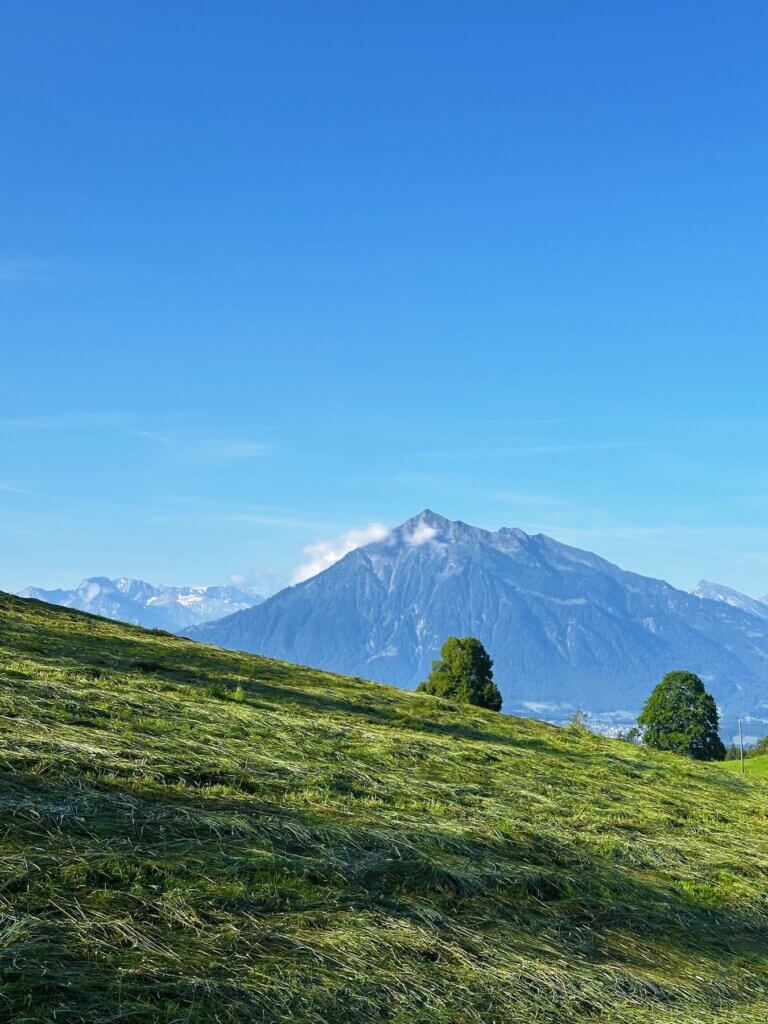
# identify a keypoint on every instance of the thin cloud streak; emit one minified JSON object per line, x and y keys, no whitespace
{"x":184,"y":443}
{"x":7,"y":487}
{"x":534,"y":500}
{"x":62,"y":421}
{"x":233,"y":449}
{"x":20,"y":271}
{"x":533,"y":450}
{"x":218,"y":518}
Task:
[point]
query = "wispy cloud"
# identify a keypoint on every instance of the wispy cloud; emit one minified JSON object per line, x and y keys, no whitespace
{"x":21,"y":271}
{"x":266,"y":519}
{"x":186,"y":510}
{"x":76,"y":421}
{"x":532,"y":450}
{"x":532,"y":500}
{"x":325,"y":553}
{"x":234,"y":449}
{"x":62,"y":421}
{"x":185,"y":440}
{"x":9,"y":487}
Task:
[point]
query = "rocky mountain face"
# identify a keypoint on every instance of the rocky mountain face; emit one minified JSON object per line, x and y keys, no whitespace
{"x":567,"y":630}
{"x":137,"y":602}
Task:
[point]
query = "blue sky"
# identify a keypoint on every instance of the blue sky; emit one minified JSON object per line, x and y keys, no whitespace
{"x":270,"y":272}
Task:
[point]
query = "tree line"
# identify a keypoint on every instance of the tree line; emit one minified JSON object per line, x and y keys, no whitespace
{"x":679,"y":716}
{"x":733,"y":751}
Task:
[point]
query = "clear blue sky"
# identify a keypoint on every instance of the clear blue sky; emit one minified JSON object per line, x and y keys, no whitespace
{"x":273,"y":271}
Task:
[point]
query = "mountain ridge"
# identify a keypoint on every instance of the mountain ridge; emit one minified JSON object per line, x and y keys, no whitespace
{"x":139,"y":603}
{"x":719,"y":592}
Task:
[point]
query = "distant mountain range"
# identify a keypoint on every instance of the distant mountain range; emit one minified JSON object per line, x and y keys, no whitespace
{"x":567,"y":630}
{"x":163,"y":607}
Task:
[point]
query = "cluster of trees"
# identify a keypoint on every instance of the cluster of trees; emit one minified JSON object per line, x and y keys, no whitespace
{"x":733,"y":752}
{"x":679,"y":716}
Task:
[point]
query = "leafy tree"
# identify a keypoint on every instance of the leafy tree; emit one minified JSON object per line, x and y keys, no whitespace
{"x":761,"y":747}
{"x":682,"y":717}
{"x":465,"y":674}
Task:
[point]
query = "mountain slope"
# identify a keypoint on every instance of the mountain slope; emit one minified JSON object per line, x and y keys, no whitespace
{"x":718,"y":592}
{"x":566,"y":629}
{"x":141,"y":604}
{"x":197,"y":835}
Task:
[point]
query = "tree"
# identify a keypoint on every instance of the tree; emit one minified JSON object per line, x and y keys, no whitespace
{"x":631,"y":735}
{"x":682,"y":717}
{"x":464,"y":674}
{"x":579,"y":721}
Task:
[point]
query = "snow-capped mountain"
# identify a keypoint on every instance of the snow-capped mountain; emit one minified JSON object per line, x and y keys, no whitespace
{"x":566,"y":629}
{"x":163,"y":607}
{"x":718,"y":592}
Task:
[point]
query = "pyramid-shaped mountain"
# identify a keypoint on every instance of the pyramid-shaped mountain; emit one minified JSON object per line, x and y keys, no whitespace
{"x":566,"y":629}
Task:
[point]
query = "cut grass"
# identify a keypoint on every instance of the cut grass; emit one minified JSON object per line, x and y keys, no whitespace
{"x":191,"y":834}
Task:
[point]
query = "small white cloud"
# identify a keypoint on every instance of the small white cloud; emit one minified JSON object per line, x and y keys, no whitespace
{"x":423,"y":533}
{"x":326,"y":552}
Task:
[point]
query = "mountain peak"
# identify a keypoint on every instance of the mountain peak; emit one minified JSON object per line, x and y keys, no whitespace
{"x":429,"y":517}
{"x":429,"y":525}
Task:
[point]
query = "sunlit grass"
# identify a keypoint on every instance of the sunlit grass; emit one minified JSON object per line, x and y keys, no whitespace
{"x":196,"y":835}
{"x":754,"y":767}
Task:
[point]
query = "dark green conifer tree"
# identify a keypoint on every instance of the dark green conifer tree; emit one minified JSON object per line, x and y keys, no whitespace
{"x":465,"y":674}
{"x":682,"y":717}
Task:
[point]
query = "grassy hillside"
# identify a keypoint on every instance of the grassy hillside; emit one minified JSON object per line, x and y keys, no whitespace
{"x":754,"y":767}
{"x":195,"y":835}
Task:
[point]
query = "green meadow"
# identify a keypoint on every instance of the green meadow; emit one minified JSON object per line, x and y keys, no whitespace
{"x":195,"y":835}
{"x":754,"y":767}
